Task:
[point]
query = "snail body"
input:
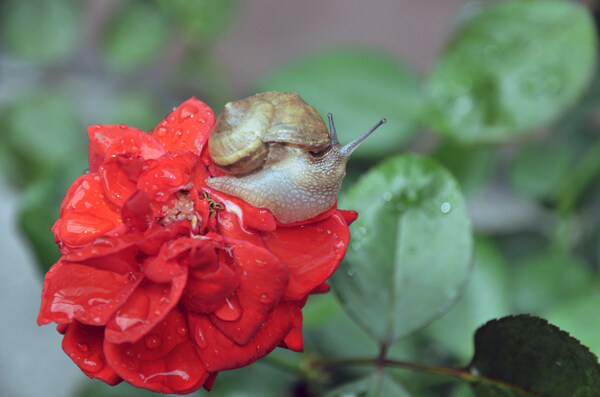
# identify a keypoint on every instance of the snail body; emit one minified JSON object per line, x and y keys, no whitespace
{"x":278,"y":154}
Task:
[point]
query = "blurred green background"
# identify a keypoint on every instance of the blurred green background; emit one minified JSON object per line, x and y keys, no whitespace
{"x":508,"y":100}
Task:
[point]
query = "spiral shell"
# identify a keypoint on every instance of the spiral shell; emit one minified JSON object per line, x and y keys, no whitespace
{"x":240,"y":141}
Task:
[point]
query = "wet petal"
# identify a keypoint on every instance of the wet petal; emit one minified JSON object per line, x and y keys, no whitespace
{"x":86,"y":213}
{"x":164,"y":360}
{"x":186,"y":128}
{"x":166,"y":175}
{"x":75,"y":291}
{"x":263,"y":280}
{"x":145,"y":307}
{"x":84,"y":344}
{"x":250,"y":216}
{"x":311,"y":252}
{"x":137,"y":212}
{"x":218,"y":352}
{"x":101,"y":138}
{"x":116,"y":181}
{"x":136,"y":144}
{"x":294,"y":340}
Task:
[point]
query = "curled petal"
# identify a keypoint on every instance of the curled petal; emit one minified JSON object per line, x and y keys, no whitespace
{"x":90,"y":295}
{"x":145,"y":307}
{"x":86,"y":213}
{"x":137,"y":212}
{"x":84,"y":344}
{"x":115,"y":254}
{"x":117,"y":184}
{"x":294,"y":340}
{"x":101,"y":138}
{"x":263,"y":280}
{"x":167,"y":175}
{"x":250,"y":216}
{"x":349,"y":216}
{"x":135,"y":144}
{"x":186,"y":128}
{"x":311,"y":254}
{"x":164,"y":360}
{"x":218,"y":352}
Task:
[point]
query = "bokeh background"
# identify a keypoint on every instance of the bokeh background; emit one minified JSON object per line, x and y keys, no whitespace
{"x":66,"y":64}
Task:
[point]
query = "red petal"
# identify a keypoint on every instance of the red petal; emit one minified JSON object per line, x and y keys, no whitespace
{"x":293,"y":340}
{"x":101,"y":138}
{"x":166,"y":175}
{"x":251,"y":217}
{"x":75,"y":291}
{"x":311,"y":252}
{"x":218,"y":352}
{"x":210,"y":282}
{"x":115,"y":254}
{"x":349,"y":216}
{"x":186,"y":128}
{"x":171,"y":257}
{"x":164,"y":360}
{"x":144,"y":308}
{"x":116,"y":181}
{"x":84,"y":344}
{"x":263,"y":281}
{"x":136,"y":144}
{"x":228,"y":225}
{"x":85,"y":213}
{"x":157,"y":235}
{"x":137,"y":212}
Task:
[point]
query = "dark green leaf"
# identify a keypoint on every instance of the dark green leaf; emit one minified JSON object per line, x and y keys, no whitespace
{"x":134,"y":109}
{"x":359,"y":87}
{"x":514,"y":66}
{"x":41,"y":31}
{"x":410,"y":253}
{"x":200,"y":19}
{"x":136,"y":36}
{"x":525,"y":354}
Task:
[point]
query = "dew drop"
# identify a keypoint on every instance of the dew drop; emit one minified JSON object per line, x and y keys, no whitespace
{"x":182,"y":331}
{"x":350,"y":272}
{"x":387,"y":196}
{"x":152,"y":341}
{"x":462,"y":105}
{"x":83,"y":347}
{"x":264,"y":298}
{"x":445,"y":207}
{"x":201,"y":340}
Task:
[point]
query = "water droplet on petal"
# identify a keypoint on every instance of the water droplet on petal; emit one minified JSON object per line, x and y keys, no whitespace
{"x":182,"y":331}
{"x":264,"y":298}
{"x":152,"y":341}
{"x":83,"y":347}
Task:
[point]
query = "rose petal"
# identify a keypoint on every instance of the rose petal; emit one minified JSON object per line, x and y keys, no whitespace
{"x":135,"y":144}
{"x":76,"y":291}
{"x":137,"y":212}
{"x":186,"y":128}
{"x":263,"y":280}
{"x":218,"y":352}
{"x":250,"y":216}
{"x":164,"y":360}
{"x":311,"y":252}
{"x":228,"y":225}
{"x":85,"y":213}
{"x":166,"y":175}
{"x":158,"y":234}
{"x":144,"y":308}
{"x":84,"y":344}
{"x":115,"y":254}
{"x":101,"y":138}
{"x":349,"y":216}
{"x":294,"y":340}
{"x":116,"y":181}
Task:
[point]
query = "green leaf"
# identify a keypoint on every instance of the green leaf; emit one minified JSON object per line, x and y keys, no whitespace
{"x":546,"y":279}
{"x":524,"y":354}
{"x":41,"y":31}
{"x":135,"y":37}
{"x":472,"y":166}
{"x":537,"y":171}
{"x":487,"y":296}
{"x":410,"y":254}
{"x":506,"y":70}
{"x":200,"y":19}
{"x":359,"y":87}
{"x":136,"y":109}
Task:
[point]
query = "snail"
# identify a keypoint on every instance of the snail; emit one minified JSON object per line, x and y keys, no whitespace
{"x":277,"y":154}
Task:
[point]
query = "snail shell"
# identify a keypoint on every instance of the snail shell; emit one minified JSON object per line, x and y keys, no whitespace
{"x":243,"y":133}
{"x":278,"y":154}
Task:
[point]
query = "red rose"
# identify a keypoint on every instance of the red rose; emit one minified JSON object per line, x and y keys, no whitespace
{"x":164,"y":282}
